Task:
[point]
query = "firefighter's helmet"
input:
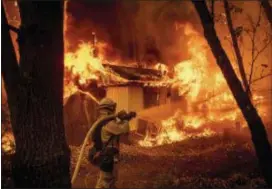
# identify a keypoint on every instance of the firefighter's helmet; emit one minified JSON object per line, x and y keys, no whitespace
{"x":107,"y":103}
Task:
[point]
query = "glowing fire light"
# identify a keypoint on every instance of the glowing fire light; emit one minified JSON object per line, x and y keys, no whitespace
{"x":86,"y":66}
{"x":196,"y":80}
{"x":84,"y":63}
{"x":161,"y":67}
{"x":170,"y":132}
{"x":8,"y":143}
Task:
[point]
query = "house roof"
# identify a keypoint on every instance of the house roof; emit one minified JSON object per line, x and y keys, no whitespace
{"x":134,"y":76}
{"x":134,"y":73}
{"x":150,"y":84}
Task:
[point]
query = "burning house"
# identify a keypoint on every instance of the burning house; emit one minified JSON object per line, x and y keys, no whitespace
{"x":132,"y":88}
{"x":151,"y":58}
{"x":188,"y":98}
{"x":137,"y":93}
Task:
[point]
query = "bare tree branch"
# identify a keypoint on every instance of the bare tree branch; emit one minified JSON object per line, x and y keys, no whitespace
{"x":260,"y":78}
{"x":254,"y":121}
{"x":261,"y":50}
{"x":236,"y":47}
{"x":10,"y":68}
{"x":254,"y":29}
{"x":255,"y":52}
{"x":268,"y":10}
{"x":212,"y":9}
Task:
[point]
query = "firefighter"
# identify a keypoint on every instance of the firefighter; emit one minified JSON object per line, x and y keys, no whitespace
{"x":108,"y":136}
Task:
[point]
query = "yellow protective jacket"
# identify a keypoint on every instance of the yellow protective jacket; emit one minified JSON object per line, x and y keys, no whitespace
{"x":116,"y":128}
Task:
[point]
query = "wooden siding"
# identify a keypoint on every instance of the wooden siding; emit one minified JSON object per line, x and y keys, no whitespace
{"x":129,"y":99}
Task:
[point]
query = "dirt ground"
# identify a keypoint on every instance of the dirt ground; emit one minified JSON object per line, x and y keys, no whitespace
{"x":214,"y":162}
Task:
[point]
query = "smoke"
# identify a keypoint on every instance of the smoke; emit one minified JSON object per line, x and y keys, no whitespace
{"x":126,"y":26}
{"x":85,"y":17}
{"x":110,"y":20}
{"x":163,"y":21}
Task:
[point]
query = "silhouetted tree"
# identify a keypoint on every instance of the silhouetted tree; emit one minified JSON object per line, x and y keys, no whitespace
{"x":258,"y":132}
{"x":268,"y":10}
{"x":35,"y":95}
{"x":236,"y":46}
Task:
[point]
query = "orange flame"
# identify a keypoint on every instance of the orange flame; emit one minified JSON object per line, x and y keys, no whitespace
{"x":8,"y":143}
{"x":84,"y":63}
{"x":198,"y":83}
{"x":202,"y":87}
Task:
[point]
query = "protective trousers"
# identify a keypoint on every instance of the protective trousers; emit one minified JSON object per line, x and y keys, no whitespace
{"x":107,"y":179}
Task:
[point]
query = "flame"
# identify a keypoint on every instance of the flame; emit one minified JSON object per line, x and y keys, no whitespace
{"x":198,"y":80}
{"x":8,"y":143}
{"x":85,"y":66}
{"x":190,"y":74}
{"x":193,"y":121}
{"x":161,"y":67}
{"x":84,"y":63}
{"x":168,"y":133}
{"x":194,"y":78}
{"x":205,"y":87}
{"x":173,"y":130}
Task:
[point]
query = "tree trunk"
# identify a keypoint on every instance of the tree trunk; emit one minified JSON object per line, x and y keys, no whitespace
{"x":268,"y":10}
{"x":10,"y":70}
{"x":259,"y":136}
{"x":236,"y":48}
{"x":42,"y":157}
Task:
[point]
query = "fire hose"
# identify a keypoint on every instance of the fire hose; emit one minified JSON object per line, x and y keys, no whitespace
{"x":121,"y":115}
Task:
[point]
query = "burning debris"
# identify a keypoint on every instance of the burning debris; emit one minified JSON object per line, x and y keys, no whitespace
{"x":176,"y":129}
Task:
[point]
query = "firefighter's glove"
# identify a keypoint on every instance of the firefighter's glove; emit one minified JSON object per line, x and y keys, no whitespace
{"x":123,"y":115}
